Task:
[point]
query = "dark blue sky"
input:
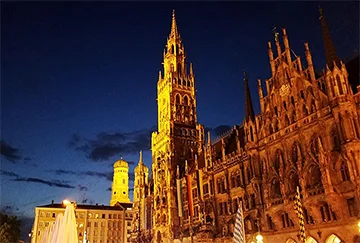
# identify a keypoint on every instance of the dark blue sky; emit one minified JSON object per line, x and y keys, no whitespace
{"x":78,"y":81}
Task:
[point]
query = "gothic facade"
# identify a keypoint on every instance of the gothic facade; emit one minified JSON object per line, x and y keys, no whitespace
{"x":307,"y":134}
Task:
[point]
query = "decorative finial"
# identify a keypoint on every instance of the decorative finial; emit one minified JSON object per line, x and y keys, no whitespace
{"x":173,"y":31}
{"x":321,"y":12}
{"x":245,"y":76}
{"x":141,"y":158}
{"x":276,"y":34}
{"x":191,"y":69}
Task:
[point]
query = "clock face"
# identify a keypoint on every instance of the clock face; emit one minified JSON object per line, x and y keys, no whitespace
{"x":285,"y":90}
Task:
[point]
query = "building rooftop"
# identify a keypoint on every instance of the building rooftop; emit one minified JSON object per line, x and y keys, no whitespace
{"x":118,"y":206}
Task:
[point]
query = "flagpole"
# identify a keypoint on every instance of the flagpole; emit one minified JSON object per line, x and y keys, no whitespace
{"x":239,"y":231}
{"x":191,"y":210}
{"x":299,"y":211}
{"x":180,"y":201}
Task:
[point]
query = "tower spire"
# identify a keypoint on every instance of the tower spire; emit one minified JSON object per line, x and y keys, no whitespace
{"x":249,"y":107}
{"x":174,"y":31}
{"x":330,"y":51}
{"x":141,"y":158}
{"x":191,"y":69}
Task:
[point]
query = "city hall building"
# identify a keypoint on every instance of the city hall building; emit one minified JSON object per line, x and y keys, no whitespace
{"x":306,"y":135}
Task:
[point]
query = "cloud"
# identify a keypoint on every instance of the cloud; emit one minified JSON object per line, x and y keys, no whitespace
{"x":107,"y":145}
{"x":82,"y":188}
{"x":45,"y":182}
{"x":107,"y":175}
{"x":9,"y":173}
{"x":9,"y":152}
{"x":86,"y":200}
{"x":52,"y":183}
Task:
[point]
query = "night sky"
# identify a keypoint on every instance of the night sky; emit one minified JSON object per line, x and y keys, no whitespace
{"x":78,"y":82}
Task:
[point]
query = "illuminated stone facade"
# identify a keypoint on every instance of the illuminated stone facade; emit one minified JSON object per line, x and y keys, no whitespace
{"x":307,"y":134}
{"x":120,"y":185}
{"x":98,"y":222}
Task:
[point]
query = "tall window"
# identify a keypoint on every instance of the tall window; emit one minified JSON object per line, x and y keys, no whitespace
{"x":327,"y":214}
{"x":275,"y":188}
{"x":294,"y":155}
{"x":353,"y":211}
{"x":314,"y":147}
{"x":306,"y":113}
{"x":344,"y":171}
{"x":338,"y":82}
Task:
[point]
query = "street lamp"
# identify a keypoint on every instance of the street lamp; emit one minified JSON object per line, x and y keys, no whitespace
{"x":66,"y":202}
{"x":259,"y":238}
{"x":359,"y":225}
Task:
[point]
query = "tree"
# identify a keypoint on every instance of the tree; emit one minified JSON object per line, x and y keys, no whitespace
{"x":9,"y":229}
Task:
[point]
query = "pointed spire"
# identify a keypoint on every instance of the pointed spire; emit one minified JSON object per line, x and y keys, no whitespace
{"x":249,"y":107}
{"x":191,"y":69}
{"x":174,"y":32}
{"x":330,"y":51}
{"x":141,"y":158}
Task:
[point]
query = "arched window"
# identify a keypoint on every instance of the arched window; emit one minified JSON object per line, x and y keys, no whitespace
{"x":313,"y":107}
{"x":276,"y":126}
{"x":294,"y":155}
{"x":219,"y":186}
{"x":338,"y":82}
{"x":177,"y":99}
{"x":275,"y":188}
{"x":306,"y":113}
{"x":248,"y":175}
{"x":276,"y":110}
{"x":179,"y":69}
{"x":277,"y":163}
{"x":238,"y":179}
{"x":335,"y":138}
{"x":287,"y":121}
{"x":314,"y":147}
{"x":284,"y":104}
{"x":344,"y":171}
{"x":186,"y":100}
{"x":293,"y":183}
{"x":292,"y":100}
{"x":184,"y":82}
{"x":251,"y":134}
{"x":314,"y":179}
{"x":293,"y":117}
{"x":172,"y":49}
{"x":302,"y":94}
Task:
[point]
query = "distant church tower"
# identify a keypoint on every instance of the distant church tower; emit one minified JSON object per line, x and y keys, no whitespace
{"x":120,"y":185}
{"x":141,"y":183}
